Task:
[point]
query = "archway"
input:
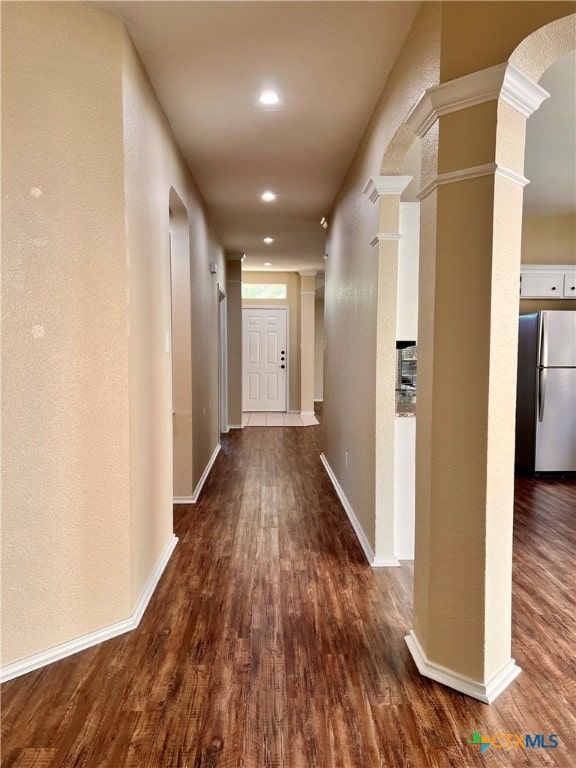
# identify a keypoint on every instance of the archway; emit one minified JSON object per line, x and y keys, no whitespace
{"x":181,"y":348}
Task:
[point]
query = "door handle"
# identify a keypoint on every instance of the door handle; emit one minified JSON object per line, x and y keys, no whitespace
{"x":542,"y":376}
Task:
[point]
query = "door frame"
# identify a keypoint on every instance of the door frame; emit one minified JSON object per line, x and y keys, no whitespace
{"x":222,"y":361}
{"x":286,"y":309}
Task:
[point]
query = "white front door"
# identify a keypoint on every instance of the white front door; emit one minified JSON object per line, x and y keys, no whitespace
{"x":264,"y":359}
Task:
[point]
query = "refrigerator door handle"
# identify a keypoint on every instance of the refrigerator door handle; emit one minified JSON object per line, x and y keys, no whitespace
{"x":542,"y":376}
{"x":543,"y":356}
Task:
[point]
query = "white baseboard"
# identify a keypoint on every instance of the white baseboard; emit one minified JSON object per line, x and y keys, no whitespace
{"x":386,"y":562}
{"x":485,"y":692}
{"x":58,"y":652}
{"x":198,"y":489}
{"x":183,"y":500}
{"x":360,"y":535}
{"x":235,"y":426}
{"x":318,"y":400}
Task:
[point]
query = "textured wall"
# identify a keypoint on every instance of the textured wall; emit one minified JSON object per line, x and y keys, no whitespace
{"x":234,"y":314}
{"x":65,"y":453}
{"x":319,"y":349}
{"x":148,"y":184}
{"x":351,"y":276}
{"x":88,"y":165}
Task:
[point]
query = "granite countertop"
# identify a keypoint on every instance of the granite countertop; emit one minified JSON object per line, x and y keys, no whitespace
{"x":405,"y":402}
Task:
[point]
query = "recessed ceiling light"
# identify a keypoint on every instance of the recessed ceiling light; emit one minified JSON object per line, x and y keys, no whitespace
{"x":269,"y":97}
{"x":267,"y":263}
{"x":268,"y":196}
{"x":268,"y":240}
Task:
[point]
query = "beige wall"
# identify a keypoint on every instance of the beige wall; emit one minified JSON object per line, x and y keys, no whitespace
{"x":292,"y":280}
{"x":234,"y":308}
{"x":148,"y":184}
{"x":89,"y":162}
{"x":548,"y":240}
{"x":351,"y":279}
{"x":478,"y":35}
{"x":65,"y":410}
{"x":319,"y":350}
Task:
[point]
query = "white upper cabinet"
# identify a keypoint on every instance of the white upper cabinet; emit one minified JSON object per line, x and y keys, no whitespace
{"x":539,"y":281}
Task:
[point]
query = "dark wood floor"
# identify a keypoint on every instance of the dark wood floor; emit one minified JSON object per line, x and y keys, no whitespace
{"x":270,"y":643}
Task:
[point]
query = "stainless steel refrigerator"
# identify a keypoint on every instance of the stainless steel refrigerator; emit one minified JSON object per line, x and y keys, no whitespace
{"x":546,"y":394}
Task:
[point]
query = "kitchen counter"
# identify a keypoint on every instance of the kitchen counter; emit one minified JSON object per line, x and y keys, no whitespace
{"x":405,"y":402}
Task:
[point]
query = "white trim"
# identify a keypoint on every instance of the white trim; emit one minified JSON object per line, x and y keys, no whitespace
{"x":521,"y":92}
{"x":511,"y":175}
{"x":485,"y":692}
{"x":386,"y":562}
{"x":464,"y":174}
{"x":318,"y":399}
{"x":183,"y":500}
{"x":503,"y":81}
{"x":308,"y":273}
{"x":235,"y":426}
{"x":385,"y":185}
{"x":385,"y":236}
{"x":58,"y":652}
{"x":360,"y":535}
{"x":307,"y":413}
{"x":198,"y":489}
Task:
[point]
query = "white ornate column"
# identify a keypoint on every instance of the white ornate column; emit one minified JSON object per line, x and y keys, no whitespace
{"x":386,"y":190}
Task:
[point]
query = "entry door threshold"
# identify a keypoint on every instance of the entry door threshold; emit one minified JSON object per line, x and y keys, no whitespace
{"x":277,"y":419}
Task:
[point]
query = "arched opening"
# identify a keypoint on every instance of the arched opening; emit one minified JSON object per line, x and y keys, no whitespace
{"x":181,"y":348}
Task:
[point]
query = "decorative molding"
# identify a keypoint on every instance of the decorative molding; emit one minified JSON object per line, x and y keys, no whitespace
{"x":385,"y":236}
{"x":511,"y":175}
{"x":360,"y":535}
{"x":485,"y":692}
{"x":503,"y":81}
{"x":464,"y":174}
{"x":385,"y":185}
{"x":521,"y":92}
{"x":198,"y":489}
{"x":183,"y":500}
{"x":308,"y":273}
{"x":58,"y":652}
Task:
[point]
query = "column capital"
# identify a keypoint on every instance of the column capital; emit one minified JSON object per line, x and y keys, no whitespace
{"x":503,"y":81}
{"x":385,"y":185}
{"x":308,"y":273}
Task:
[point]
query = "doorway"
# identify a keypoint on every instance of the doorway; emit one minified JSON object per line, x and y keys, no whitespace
{"x":264,"y":359}
{"x":181,"y":349}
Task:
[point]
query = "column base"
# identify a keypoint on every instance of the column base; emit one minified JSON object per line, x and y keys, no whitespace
{"x":485,"y":692}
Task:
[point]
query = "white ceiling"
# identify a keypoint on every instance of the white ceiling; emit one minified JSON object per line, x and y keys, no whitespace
{"x":208,"y":62}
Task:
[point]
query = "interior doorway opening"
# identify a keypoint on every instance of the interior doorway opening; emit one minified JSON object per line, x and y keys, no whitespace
{"x":181,"y":349}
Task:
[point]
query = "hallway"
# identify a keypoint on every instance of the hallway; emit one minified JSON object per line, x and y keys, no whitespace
{"x":270,"y":643}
